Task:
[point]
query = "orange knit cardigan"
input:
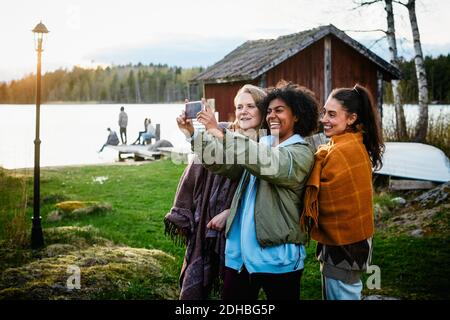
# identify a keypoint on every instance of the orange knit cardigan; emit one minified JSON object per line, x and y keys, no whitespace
{"x":338,"y":206}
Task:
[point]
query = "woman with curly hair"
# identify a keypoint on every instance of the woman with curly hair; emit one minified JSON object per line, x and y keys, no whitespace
{"x":264,"y":246}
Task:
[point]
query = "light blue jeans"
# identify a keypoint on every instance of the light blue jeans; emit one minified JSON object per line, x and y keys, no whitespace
{"x":337,"y":290}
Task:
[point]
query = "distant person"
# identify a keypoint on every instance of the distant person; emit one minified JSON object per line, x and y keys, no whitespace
{"x":112,"y":140}
{"x":138,"y":140}
{"x":123,"y":122}
{"x":147,"y":137}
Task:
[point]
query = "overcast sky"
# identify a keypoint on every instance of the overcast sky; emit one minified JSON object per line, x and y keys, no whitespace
{"x":189,"y":33}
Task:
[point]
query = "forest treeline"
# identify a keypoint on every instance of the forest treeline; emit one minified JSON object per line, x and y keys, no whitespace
{"x":153,"y":83}
{"x":438,"y":78}
{"x":164,"y":84}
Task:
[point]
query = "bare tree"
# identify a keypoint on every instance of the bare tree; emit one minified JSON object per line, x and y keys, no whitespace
{"x":400,"y":121}
{"x":399,"y":112}
{"x":422,"y":123}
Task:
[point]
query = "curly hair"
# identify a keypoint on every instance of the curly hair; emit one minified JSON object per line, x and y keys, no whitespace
{"x":302,"y":102}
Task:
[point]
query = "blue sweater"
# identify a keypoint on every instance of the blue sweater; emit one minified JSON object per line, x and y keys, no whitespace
{"x":242,"y":247}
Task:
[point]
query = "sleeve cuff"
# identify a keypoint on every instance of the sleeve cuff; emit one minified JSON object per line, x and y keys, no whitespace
{"x":193,"y":137}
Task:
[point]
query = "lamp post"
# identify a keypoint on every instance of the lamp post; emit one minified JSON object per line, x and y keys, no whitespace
{"x":37,"y":238}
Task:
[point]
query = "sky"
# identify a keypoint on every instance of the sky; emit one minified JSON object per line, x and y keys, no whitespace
{"x":190,"y":33}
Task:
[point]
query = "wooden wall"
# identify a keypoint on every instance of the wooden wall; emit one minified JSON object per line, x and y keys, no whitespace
{"x":350,"y":67}
{"x":304,"y":68}
{"x":224,"y":94}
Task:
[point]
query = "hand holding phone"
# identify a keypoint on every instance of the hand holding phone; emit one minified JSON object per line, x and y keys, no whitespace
{"x":192,"y":108}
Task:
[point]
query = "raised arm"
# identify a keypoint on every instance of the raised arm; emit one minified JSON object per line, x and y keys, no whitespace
{"x":285,"y":166}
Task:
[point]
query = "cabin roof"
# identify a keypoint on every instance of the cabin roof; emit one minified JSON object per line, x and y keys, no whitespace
{"x":255,"y":57}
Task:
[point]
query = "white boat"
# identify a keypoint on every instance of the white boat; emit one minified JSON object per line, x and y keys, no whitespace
{"x":415,"y":161}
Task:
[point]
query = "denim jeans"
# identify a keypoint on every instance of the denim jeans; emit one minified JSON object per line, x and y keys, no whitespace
{"x":333,"y":289}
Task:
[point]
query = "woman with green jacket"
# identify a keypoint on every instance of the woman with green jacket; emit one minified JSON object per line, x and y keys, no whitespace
{"x":264,"y":246}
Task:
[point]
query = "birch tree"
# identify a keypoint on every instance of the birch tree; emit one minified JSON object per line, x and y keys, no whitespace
{"x":422,"y":123}
{"x":400,"y":122}
{"x":392,"y":41}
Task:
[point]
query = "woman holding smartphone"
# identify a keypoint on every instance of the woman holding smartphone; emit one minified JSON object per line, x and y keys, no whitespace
{"x":264,"y":246}
{"x":202,"y":203}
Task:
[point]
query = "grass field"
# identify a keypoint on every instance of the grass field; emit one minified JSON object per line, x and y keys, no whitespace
{"x":140,"y":196}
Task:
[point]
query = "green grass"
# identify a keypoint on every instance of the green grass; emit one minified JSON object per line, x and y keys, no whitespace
{"x":140,"y":197}
{"x":411,"y":268}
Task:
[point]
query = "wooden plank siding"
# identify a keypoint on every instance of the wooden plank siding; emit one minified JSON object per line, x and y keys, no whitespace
{"x":224,"y":94}
{"x":307,"y":68}
{"x":327,"y":71}
{"x":304,"y":68}
{"x":350,"y":67}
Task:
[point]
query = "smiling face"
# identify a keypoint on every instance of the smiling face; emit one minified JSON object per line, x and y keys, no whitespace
{"x":280,"y":119}
{"x":335,"y":118}
{"x":247,"y":114}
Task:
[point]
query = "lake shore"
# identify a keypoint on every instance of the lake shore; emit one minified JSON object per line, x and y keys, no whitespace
{"x":72,"y":134}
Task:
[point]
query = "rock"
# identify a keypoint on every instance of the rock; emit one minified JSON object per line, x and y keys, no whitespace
{"x":417,"y":233}
{"x":89,"y":262}
{"x":96,"y":208}
{"x":433,"y":197}
{"x":100,"y":179}
{"x":159,"y":144}
{"x":399,"y":201}
{"x":54,"y":216}
{"x":379,"y":297}
{"x":58,"y":249}
{"x":59,"y":288}
{"x":76,"y":209}
{"x":69,"y":206}
{"x":106,"y":271}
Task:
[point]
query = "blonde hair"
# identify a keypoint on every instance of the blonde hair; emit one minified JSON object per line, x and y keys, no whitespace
{"x":256,"y":92}
{"x":234,"y":125}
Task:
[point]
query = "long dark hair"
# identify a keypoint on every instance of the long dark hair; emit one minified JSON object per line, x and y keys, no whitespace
{"x":359,"y":100}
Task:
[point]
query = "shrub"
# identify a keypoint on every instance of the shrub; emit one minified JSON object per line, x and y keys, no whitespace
{"x":15,"y":224}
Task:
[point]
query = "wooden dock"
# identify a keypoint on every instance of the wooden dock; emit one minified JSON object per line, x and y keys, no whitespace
{"x":138,"y":152}
{"x":142,"y":152}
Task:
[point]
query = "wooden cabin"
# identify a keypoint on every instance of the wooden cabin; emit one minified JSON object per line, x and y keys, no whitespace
{"x":320,"y":59}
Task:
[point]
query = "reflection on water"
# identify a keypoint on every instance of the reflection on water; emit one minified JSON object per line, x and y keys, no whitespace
{"x":72,"y":134}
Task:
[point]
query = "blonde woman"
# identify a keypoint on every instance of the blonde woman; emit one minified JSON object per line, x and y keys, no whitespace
{"x":202,"y":203}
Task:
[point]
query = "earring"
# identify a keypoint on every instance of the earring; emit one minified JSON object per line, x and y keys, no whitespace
{"x":348,"y":128}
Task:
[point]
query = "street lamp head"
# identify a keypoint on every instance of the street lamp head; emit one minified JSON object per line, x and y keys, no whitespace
{"x":39,"y":32}
{"x":40,"y":28}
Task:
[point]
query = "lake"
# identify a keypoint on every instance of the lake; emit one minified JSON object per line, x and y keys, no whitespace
{"x":72,"y":134}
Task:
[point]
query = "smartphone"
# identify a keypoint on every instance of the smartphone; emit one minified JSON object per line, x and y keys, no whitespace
{"x":192,"y":108}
